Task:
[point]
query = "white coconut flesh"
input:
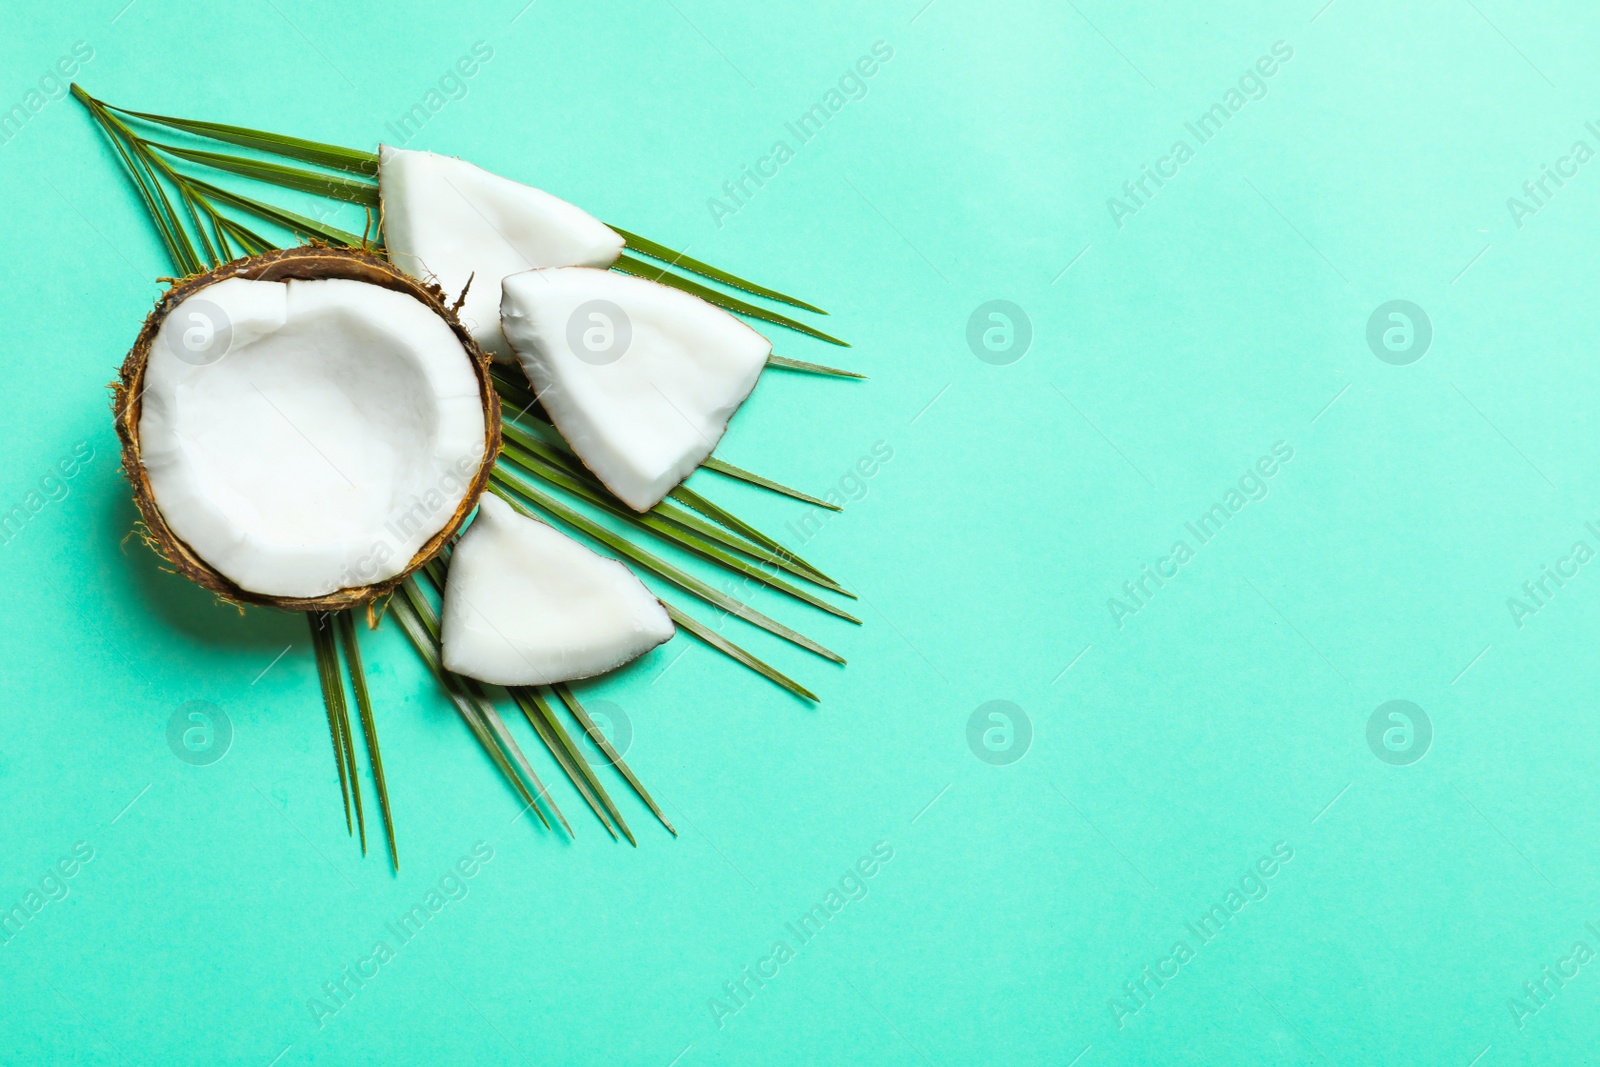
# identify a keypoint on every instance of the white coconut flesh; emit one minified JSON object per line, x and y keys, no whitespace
{"x":446,"y":220}
{"x":526,"y":605}
{"x":641,"y":379}
{"x":304,"y":437}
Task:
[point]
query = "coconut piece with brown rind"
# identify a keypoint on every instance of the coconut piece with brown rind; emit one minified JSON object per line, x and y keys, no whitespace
{"x":309,"y":264}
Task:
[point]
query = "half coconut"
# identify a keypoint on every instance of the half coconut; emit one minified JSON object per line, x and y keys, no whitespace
{"x":305,"y":428}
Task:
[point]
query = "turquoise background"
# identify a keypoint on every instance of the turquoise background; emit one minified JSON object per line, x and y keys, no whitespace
{"x":1168,"y":755}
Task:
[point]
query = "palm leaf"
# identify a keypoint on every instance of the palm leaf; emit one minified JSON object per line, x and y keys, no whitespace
{"x":528,"y":404}
{"x":491,"y":715}
{"x":224,"y":249}
{"x":502,"y":485}
{"x":124,"y":143}
{"x":640,"y":269}
{"x":289,"y":220}
{"x":535,"y":456}
{"x":434,"y":571}
{"x":537,"y":711}
{"x":706,"y":270}
{"x":254,"y":244}
{"x":518,"y":455}
{"x":336,"y":157}
{"x":306,"y":181}
{"x":721,"y":515}
{"x":728,"y":648}
{"x":369,"y":725}
{"x":405,"y":611}
{"x":524,"y":425}
{"x":564,"y":692}
{"x":328,"y":673}
{"x":317,"y":152}
{"x":665,"y":512}
{"x":726,"y":469}
{"x":786,"y":363}
{"x":212,"y":259}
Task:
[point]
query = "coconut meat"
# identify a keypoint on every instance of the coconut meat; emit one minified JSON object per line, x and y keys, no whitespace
{"x":526,"y":605}
{"x":446,"y":220}
{"x":308,"y":436}
{"x":640,"y":378}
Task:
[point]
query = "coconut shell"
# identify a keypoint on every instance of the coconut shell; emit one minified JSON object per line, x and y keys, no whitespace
{"x":309,"y":262}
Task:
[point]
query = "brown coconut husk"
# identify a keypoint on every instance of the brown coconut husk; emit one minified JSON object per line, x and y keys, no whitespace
{"x":309,"y":262}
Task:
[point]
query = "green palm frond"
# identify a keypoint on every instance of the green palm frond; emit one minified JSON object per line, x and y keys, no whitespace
{"x":706,"y":270}
{"x":323,"y":155}
{"x":811,"y":368}
{"x":420,"y":623}
{"x":537,"y":711}
{"x":639,"y":268}
{"x":570,"y":700}
{"x":202,"y":222}
{"x":369,"y":726}
{"x":333,"y":701}
{"x":307,"y":181}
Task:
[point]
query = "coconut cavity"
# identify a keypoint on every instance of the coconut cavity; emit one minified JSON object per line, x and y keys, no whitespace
{"x":308,"y":440}
{"x":447,"y":220}
{"x":526,"y":605}
{"x":640,"y":378}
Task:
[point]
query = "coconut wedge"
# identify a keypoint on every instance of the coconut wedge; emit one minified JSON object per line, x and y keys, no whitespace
{"x":641,"y":379}
{"x":305,"y":428}
{"x":527,"y":605}
{"x":449,"y":221}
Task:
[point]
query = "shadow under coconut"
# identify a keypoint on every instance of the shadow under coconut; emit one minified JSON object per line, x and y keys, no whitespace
{"x":181,"y":604}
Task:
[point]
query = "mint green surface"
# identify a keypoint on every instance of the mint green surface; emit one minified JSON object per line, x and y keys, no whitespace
{"x":1172,"y":749}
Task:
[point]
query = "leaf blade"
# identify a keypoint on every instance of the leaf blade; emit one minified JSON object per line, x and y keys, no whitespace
{"x":728,"y":648}
{"x":329,"y":185}
{"x":654,"y":524}
{"x":320,"y":153}
{"x":601,"y":741}
{"x":785,"y":363}
{"x":332,"y":701}
{"x":718,"y":514}
{"x":412,"y":622}
{"x":661,"y":568}
{"x":728,"y":470}
{"x":556,"y":739}
{"x":369,"y":725}
{"x":626,"y":264}
{"x":706,"y":270}
{"x":289,"y":220}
